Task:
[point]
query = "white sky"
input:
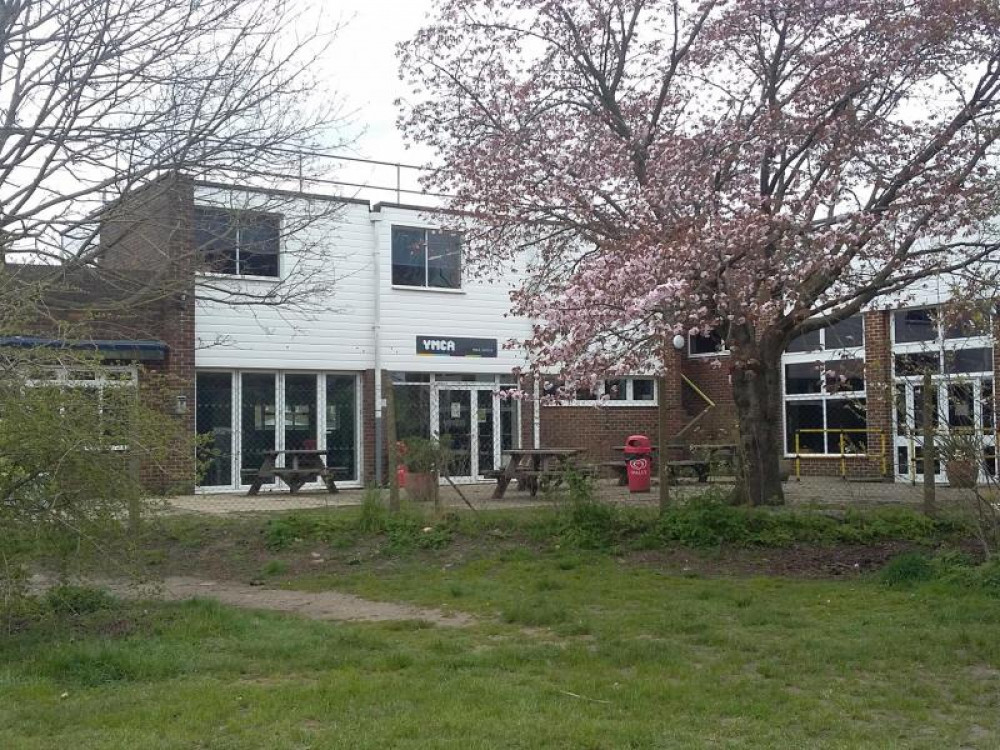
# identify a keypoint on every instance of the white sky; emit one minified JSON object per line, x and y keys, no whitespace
{"x":363,"y":70}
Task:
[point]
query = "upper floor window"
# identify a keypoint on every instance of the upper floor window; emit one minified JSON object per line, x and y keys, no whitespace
{"x":712,"y":343}
{"x":426,"y":258}
{"x":928,"y":324}
{"x":238,"y":243}
{"x":847,"y":334}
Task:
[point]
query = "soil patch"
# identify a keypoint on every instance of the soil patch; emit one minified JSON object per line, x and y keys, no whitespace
{"x":320,"y":605}
{"x":796,"y":561}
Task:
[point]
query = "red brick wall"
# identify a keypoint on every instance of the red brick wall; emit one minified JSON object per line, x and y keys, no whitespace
{"x":149,"y":232}
{"x":711,"y":376}
{"x":595,"y":429}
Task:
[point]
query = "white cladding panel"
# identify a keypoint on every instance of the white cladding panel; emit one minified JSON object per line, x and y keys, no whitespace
{"x":479,"y":310}
{"x":337,"y":332}
{"x":334,"y":245}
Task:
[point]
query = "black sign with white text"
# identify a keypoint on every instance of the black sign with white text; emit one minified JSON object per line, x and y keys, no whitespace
{"x":452,"y":346}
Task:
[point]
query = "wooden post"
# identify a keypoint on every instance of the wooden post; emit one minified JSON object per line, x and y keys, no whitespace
{"x":930,"y":451}
{"x":663,"y":436}
{"x":389,"y":419}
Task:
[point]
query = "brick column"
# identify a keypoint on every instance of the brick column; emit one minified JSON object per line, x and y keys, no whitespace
{"x":878,"y":383}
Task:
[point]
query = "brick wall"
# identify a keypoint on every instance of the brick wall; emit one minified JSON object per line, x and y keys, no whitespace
{"x":711,"y":376}
{"x":149,"y":232}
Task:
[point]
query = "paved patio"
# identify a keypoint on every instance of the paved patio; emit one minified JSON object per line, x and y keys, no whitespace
{"x":810,"y":490}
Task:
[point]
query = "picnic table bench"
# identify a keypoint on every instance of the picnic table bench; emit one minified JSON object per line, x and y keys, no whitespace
{"x":303,"y":466}
{"x":705,"y":454}
{"x":535,"y":467}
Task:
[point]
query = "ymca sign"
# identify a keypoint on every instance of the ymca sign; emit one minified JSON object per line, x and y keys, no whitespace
{"x":452,"y":346}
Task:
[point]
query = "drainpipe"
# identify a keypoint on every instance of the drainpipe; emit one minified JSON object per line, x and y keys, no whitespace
{"x":376,"y":219}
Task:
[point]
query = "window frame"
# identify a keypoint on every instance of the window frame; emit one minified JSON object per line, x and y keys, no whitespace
{"x":603,"y":399}
{"x":722,"y":351}
{"x":237,"y":242}
{"x":427,"y":231}
{"x":823,"y":357}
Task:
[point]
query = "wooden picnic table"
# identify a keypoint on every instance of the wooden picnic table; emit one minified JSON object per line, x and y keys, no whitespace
{"x":530,"y":465}
{"x":302,"y":466}
{"x":701,"y":463}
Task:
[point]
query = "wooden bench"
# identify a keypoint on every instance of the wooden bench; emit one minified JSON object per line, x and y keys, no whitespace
{"x":701,"y":469}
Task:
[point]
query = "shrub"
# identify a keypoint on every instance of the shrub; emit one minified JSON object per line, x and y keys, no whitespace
{"x":77,"y":600}
{"x":374,"y":514}
{"x":907,"y":569}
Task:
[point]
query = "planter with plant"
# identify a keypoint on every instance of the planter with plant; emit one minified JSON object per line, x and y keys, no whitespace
{"x":424,"y":459}
{"x":961,"y":453}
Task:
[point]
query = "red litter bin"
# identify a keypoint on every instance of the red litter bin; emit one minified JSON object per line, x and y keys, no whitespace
{"x":639,"y":463}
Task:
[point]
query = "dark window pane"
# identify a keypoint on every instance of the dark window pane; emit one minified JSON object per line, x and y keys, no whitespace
{"x":903,"y":417}
{"x":987,"y":399}
{"x":975,"y":323}
{"x":803,"y":377}
{"x":214,"y":237}
{"x":444,"y":260}
{"x":961,"y":405}
{"x":259,"y":422}
{"x":846,"y":333}
{"x":850,"y":416}
{"x":260,"y":239}
{"x":804,"y":415}
{"x":300,"y":412}
{"x":409,"y":257}
{"x":915,"y":325}
{"x":616,"y":390}
{"x":643,"y":389}
{"x":918,"y":408}
{"x":968,"y":360}
{"x":341,"y":428}
{"x":917,"y":364}
{"x":807,"y":342}
{"x":214,"y":417}
{"x":844,"y":375}
{"x":709,"y":344}
{"x":413,"y":411}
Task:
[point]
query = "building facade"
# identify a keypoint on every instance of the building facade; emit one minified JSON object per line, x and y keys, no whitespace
{"x":290,"y":315}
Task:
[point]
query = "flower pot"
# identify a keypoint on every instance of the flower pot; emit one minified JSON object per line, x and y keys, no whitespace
{"x":962,"y":473}
{"x":420,"y":486}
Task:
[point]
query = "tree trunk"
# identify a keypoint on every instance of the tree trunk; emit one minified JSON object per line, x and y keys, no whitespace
{"x":757,"y":393}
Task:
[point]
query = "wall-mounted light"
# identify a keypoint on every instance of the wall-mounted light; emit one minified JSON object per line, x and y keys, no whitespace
{"x":679,"y":342}
{"x":181,"y":405}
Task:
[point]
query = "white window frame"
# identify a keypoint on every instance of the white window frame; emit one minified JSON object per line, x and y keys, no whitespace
{"x":821,"y":357}
{"x":280,"y":426}
{"x":426,"y":285}
{"x":249,"y":276}
{"x":629,"y":401}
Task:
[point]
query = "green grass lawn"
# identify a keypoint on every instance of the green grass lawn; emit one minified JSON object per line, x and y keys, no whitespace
{"x":573,"y":650}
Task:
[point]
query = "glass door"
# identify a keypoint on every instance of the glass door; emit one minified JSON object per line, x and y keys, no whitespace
{"x":214,"y":416}
{"x":258,"y":421}
{"x":485,"y":433}
{"x":961,"y":407}
{"x":455,"y":430}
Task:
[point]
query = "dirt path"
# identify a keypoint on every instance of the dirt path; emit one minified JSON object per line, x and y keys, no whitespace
{"x":320,"y":605}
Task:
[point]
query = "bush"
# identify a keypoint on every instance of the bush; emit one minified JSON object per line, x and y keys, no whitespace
{"x":907,"y":569}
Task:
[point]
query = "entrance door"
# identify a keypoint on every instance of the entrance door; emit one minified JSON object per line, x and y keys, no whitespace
{"x":958,"y":407}
{"x":455,"y":430}
{"x":476,"y":424}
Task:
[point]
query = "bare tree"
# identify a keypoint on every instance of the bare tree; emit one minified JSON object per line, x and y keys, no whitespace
{"x":103,"y":102}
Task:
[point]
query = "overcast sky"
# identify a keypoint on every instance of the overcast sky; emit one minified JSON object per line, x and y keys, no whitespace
{"x":362,"y":69}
